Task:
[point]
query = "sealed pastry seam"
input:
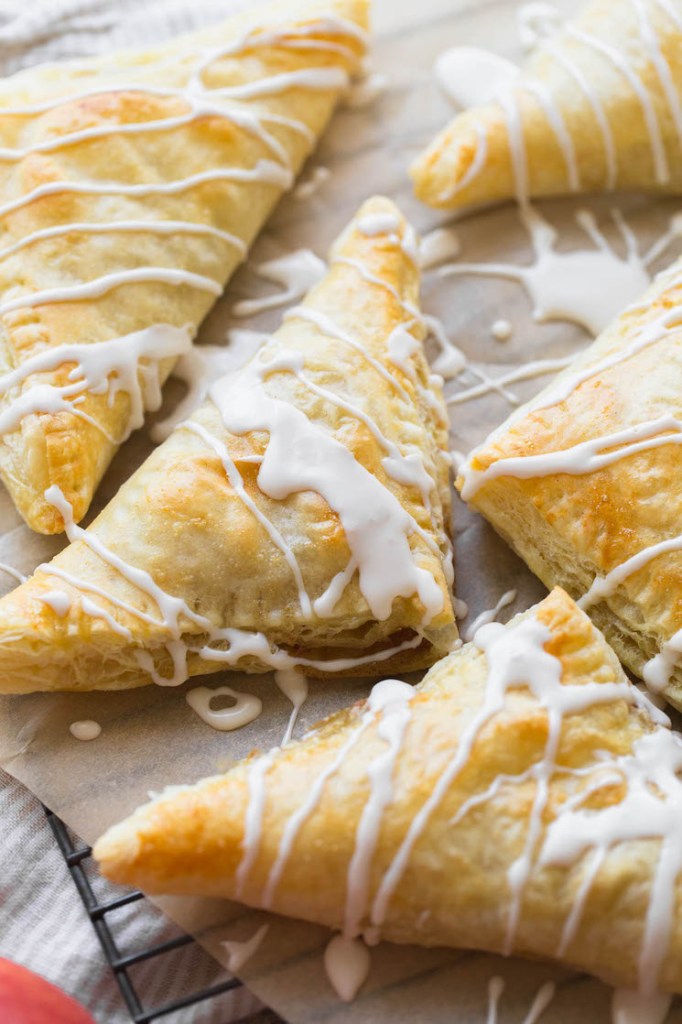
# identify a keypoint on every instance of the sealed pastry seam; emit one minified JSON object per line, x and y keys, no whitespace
{"x":524,"y":798}
{"x":130,"y":189}
{"x":299,"y":518}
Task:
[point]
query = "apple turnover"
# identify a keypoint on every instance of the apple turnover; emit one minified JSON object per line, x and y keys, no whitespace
{"x":130,"y":188}
{"x":299,"y":518}
{"x":598,"y":105}
{"x":583,"y":483}
{"x":524,"y":798}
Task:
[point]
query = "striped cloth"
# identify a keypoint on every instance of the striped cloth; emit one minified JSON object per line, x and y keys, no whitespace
{"x":47,"y":30}
{"x":42,"y":922}
{"x":43,"y":925}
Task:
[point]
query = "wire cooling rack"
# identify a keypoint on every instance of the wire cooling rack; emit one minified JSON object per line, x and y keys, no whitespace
{"x":77,"y":856}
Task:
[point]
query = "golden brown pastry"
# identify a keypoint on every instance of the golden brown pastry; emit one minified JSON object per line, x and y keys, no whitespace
{"x":598,"y":106}
{"x":130,"y":189}
{"x":585,"y":483}
{"x":300,"y":517}
{"x":523,"y":798}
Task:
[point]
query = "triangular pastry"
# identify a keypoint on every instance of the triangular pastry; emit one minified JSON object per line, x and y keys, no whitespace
{"x":598,"y":105}
{"x":130,"y":189}
{"x":524,"y":798}
{"x":300,"y":517}
{"x":585,"y":483}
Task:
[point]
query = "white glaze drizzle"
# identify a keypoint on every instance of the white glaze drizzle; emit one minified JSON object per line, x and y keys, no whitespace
{"x":543,"y":96}
{"x":437,"y":246}
{"x":242,"y":643}
{"x":327,"y":326}
{"x":501,"y":330}
{"x":58,"y":600}
{"x":346,"y":963}
{"x":581,"y":459}
{"x":245,"y":709}
{"x":597,"y":107}
{"x":629,"y":1006}
{"x":200,"y":102}
{"x":160,"y":227}
{"x":199,"y":366}
{"x":85,"y":730}
{"x":535,"y":22}
{"x":543,"y":997}
{"x":651,"y":334}
{"x":346,"y":482}
{"x":614,"y":57}
{"x":402,"y":345}
{"x":496,"y":987}
{"x":511,"y":109}
{"x":240,"y":952}
{"x":128,"y":363}
{"x":326,"y":603}
{"x":407,"y":469}
{"x":312,"y":183}
{"x":371,"y":278}
{"x":296,"y":272}
{"x":490,"y":614}
{"x":14,"y":573}
{"x":516,"y":658}
{"x":253,"y":823}
{"x":237,"y":483}
{"x":585,"y":286}
{"x":299,"y":817}
{"x":366,"y":91}
{"x":373,"y":519}
{"x":450,"y":361}
{"x":471,"y":77}
{"x":391,"y":699}
{"x":95,"y":611}
{"x":107,"y":282}
{"x":242,"y":118}
{"x":650,"y":808}
{"x":288,"y":35}
{"x":658,"y":670}
{"x":265,"y":171}
{"x":667,"y":6}
{"x":346,"y":957}
{"x":318,"y":79}
{"x":372,"y":224}
{"x":663,"y":71}
{"x":294,"y":686}
{"x":475,"y":167}
{"x":604,"y":586}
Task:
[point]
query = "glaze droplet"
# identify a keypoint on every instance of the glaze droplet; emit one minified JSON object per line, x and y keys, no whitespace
{"x":86,"y":730}
{"x":346,"y":962}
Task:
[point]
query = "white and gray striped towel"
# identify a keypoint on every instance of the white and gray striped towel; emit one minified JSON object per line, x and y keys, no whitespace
{"x":42,"y":922}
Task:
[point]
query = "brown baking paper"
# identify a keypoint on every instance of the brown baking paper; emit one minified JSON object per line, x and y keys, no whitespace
{"x":150,"y":737}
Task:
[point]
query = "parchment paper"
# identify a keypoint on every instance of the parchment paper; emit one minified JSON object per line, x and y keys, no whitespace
{"x":150,"y":738}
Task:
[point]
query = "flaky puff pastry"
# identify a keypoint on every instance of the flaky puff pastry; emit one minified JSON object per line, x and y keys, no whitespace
{"x":355,"y":422}
{"x":585,"y":483}
{"x":507,"y":771}
{"x":598,"y":105}
{"x":155,"y":219}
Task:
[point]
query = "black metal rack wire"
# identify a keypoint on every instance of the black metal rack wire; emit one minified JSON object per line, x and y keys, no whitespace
{"x":76,"y":856}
